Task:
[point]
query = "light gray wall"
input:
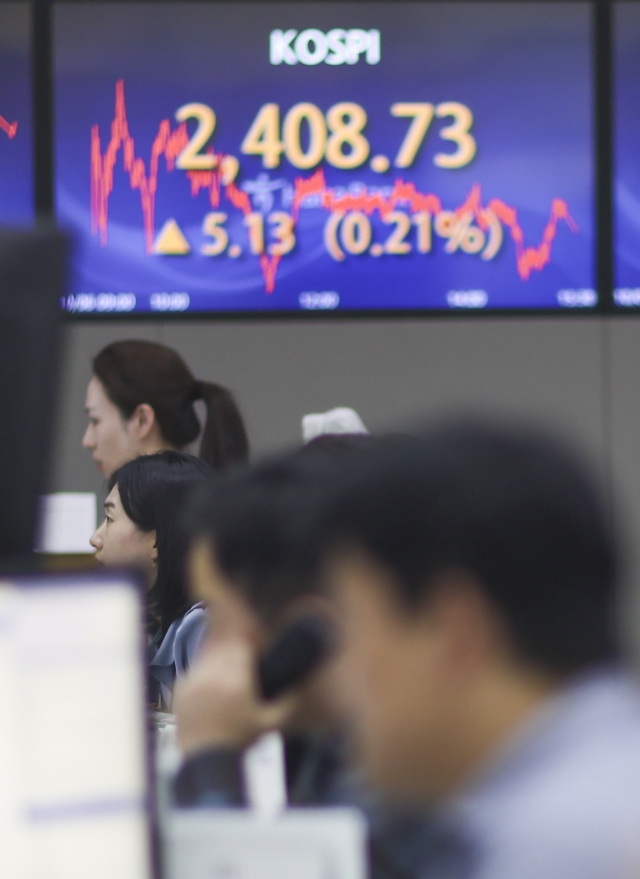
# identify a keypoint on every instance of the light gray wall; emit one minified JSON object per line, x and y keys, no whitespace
{"x":390,"y":371}
{"x":577,"y":375}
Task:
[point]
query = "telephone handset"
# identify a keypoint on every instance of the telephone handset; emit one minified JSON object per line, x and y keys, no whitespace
{"x":295,"y":654}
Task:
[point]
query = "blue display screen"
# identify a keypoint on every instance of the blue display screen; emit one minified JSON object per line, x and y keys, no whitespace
{"x":627,"y":163}
{"x":16,"y":142}
{"x":252,"y":157}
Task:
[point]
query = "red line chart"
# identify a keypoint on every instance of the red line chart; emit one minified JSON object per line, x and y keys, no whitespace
{"x":527,"y":258}
{"x":166,"y":143}
{"x":212,"y":181}
{"x":403,"y":193}
{"x":169,"y":144}
{"x":9,"y":128}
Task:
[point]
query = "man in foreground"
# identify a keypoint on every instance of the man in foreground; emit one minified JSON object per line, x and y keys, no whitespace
{"x":476,"y":578}
{"x":254,"y":566}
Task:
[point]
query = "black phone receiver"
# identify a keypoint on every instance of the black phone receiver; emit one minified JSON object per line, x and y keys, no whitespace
{"x":296,"y":653}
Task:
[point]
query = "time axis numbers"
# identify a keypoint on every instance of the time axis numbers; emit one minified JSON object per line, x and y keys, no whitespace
{"x":336,"y":137}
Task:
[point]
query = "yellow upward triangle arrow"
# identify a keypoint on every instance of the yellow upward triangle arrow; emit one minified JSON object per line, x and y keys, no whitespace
{"x":171,"y":240}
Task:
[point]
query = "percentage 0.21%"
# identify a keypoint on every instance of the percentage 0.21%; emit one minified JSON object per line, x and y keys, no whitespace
{"x":352,"y":232}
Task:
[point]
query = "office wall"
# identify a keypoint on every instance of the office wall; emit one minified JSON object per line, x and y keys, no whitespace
{"x":393,"y":371}
{"x":577,"y":375}
{"x":390,"y":371}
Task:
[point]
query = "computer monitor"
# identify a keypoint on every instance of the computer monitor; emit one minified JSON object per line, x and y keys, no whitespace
{"x":74,"y":798}
{"x":626,"y":187}
{"x":16,"y":138}
{"x":254,"y":157}
{"x":33,"y":275}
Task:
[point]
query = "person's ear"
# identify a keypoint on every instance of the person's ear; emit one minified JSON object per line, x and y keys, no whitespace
{"x":143,"y":420}
{"x":469,"y":630}
{"x":152,"y":543}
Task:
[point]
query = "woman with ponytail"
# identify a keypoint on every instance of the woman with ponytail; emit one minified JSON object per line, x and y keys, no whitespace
{"x":140,"y":401}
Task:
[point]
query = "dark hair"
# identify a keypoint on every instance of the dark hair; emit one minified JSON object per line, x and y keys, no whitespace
{"x":153,"y":490}
{"x":337,"y":445}
{"x":254,"y":521}
{"x":136,"y":372}
{"x":260,"y":522}
{"x":512,"y":508}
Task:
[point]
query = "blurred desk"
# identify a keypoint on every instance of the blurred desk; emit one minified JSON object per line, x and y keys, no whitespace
{"x":296,"y":844}
{"x":69,"y":561}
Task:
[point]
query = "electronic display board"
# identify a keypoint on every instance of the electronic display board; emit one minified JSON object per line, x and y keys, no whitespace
{"x":16,"y":142}
{"x":626,"y":185}
{"x":254,"y":157}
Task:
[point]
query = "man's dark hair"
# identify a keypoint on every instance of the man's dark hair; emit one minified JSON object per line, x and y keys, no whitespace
{"x":260,"y":521}
{"x":153,"y":490}
{"x":512,"y":508}
{"x":254,"y":522}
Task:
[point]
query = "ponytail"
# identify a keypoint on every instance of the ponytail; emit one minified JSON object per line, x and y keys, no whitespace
{"x":134,"y":372}
{"x":224,"y":438}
